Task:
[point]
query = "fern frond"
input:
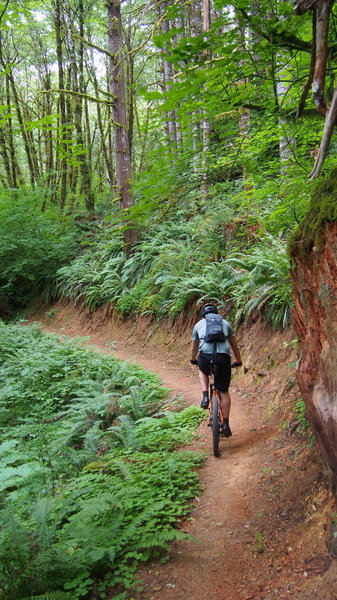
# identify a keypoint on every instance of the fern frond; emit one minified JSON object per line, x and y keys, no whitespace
{"x":50,"y":596}
{"x":162,"y":538}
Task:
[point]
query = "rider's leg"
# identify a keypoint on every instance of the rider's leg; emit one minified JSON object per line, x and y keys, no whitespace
{"x":225,"y":408}
{"x":225,"y":404}
{"x":203,"y":378}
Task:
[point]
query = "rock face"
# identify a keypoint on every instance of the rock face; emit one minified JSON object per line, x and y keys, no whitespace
{"x":314,"y":276}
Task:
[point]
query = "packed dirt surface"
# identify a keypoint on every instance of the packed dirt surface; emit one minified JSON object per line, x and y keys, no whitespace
{"x":264,"y":524}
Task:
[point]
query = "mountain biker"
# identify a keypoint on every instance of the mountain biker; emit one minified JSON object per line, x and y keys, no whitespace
{"x":217,"y":354}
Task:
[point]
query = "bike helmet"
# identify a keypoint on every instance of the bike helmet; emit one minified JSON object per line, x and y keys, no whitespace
{"x":208,"y":308}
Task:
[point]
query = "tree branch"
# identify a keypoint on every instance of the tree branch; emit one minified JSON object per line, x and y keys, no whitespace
{"x":275,"y":37}
{"x":4,"y":10}
{"x":95,"y":46}
{"x":87,"y":96}
{"x":330,"y":122}
{"x":310,"y":79}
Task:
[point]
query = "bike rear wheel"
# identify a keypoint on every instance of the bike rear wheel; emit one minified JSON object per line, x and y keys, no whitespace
{"x":215,"y":425}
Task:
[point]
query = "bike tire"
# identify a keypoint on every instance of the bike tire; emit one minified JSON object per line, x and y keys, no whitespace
{"x":215,"y":425}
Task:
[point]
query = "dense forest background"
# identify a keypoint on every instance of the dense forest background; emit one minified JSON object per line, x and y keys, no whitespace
{"x":152,"y":155}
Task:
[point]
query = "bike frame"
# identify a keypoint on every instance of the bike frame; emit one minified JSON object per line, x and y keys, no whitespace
{"x":213,"y":392}
{"x":215,"y":416}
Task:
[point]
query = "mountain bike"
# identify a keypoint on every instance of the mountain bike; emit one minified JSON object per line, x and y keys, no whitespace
{"x":215,"y":416}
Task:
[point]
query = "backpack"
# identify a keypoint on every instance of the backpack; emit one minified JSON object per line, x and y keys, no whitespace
{"x":214,"y":329}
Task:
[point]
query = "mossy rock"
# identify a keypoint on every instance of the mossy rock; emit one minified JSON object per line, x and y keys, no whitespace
{"x":322,"y":209}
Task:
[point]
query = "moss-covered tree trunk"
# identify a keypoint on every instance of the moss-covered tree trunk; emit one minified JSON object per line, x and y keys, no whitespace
{"x":314,"y":274}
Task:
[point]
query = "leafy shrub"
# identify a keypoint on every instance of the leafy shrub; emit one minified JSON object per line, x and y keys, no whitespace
{"x":134,"y":301}
{"x":32,"y":248}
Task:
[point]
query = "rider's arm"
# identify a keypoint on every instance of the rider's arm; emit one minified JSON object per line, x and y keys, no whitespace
{"x":235,"y":348}
{"x":194,"y":350}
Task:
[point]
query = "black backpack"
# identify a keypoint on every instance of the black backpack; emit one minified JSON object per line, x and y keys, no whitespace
{"x":214,"y":329}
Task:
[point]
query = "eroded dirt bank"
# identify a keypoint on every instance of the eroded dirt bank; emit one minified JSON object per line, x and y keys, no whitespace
{"x":315,"y":293}
{"x":263,"y":522}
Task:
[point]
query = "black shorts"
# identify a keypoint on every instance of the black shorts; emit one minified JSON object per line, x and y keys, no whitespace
{"x":220,"y":364}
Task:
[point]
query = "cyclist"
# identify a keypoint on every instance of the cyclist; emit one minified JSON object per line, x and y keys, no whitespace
{"x":215,"y":355}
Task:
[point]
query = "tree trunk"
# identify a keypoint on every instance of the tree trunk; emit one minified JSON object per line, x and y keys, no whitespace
{"x":244,"y":120}
{"x":330,"y":123}
{"x":308,"y":84}
{"x":10,"y":78}
{"x":195,"y":29}
{"x":130,"y":68}
{"x":13,"y":158}
{"x":286,"y":139}
{"x":31,"y":142}
{"x":205,"y":121}
{"x":144,"y":138}
{"x":78,"y":86}
{"x":48,"y":140}
{"x":62,"y":105}
{"x":5,"y":157}
{"x":121,"y":138}
{"x":167,"y":74}
{"x":27,"y":145}
{"x":322,"y":11}
{"x":106,"y":150}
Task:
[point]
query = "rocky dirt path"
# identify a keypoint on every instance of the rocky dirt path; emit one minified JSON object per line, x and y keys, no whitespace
{"x":256,"y":537}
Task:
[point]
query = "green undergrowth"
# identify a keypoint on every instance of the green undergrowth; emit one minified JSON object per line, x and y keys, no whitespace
{"x":92,"y":482}
{"x":178,"y":264}
{"x":303,"y":428}
{"x":33,"y":246}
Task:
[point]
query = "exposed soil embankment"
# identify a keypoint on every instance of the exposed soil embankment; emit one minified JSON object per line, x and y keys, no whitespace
{"x":315,"y":290}
{"x":264,"y":519}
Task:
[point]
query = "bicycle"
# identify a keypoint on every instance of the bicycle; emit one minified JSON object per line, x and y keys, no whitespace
{"x":215,"y":416}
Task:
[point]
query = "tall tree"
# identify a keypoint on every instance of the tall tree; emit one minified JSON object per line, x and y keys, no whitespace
{"x":62,"y":147}
{"x":205,"y":120}
{"x":76,"y":59}
{"x":121,"y":137}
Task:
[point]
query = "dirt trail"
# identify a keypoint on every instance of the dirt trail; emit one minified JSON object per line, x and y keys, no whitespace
{"x":259,"y":523}
{"x":221,"y":519}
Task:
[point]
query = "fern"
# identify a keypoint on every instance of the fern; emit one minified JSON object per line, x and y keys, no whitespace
{"x":73,"y":516}
{"x":51,"y":596}
{"x":262,"y":282}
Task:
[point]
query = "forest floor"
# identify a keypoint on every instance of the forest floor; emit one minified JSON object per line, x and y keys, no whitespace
{"x":265,"y":519}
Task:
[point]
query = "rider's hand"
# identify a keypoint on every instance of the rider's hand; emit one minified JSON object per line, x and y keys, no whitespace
{"x":236,"y":364}
{"x":194,"y":362}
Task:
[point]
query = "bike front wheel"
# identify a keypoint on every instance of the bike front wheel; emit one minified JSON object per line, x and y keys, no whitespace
{"x":215,"y":425}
